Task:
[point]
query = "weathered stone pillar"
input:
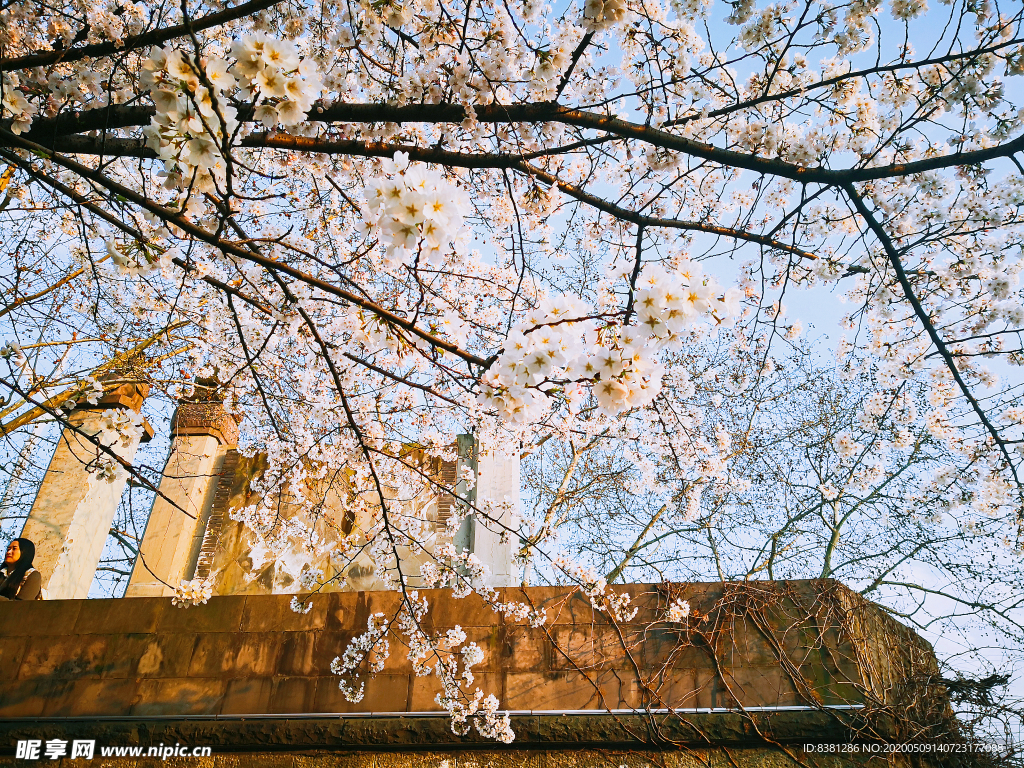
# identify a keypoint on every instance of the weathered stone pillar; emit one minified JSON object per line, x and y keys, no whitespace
{"x":72,"y":512}
{"x":201,"y":433}
{"x":498,"y":480}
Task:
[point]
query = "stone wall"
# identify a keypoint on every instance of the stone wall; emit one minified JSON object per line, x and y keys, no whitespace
{"x":249,"y":673}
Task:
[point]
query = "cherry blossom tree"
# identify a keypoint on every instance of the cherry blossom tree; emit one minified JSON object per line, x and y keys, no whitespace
{"x":577,"y":227}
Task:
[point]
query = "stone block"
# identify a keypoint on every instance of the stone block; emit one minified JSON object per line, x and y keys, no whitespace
{"x":673,"y":646}
{"x":296,"y":656}
{"x":567,"y":606}
{"x":38,"y":617}
{"x":213,"y":654}
{"x":114,"y":616}
{"x":258,"y":654}
{"x":470,"y":611}
{"x":761,"y":686}
{"x":798,"y":641}
{"x":328,"y":646}
{"x":247,"y":696}
{"x":594,"y":647}
{"x":273,"y":613}
{"x":708,"y":691}
{"x":223,"y":654}
{"x":489,"y":640}
{"x":290,"y":695}
{"x":161,"y":655}
{"x":425,"y":689}
{"x":345,"y":611}
{"x":219,"y":614}
{"x":12,"y":651}
{"x":384,"y":693}
{"x":121,"y":656}
{"x":673,"y":688}
{"x":397,"y":661}
{"x":831,"y":690}
{"x":516,"y":596}
{"x":562,"y":690}
{"x":523,"y":649}
{"x":702,"y":597}
{"x":560,"y":604}
{"x":749,"y":645}
{"x":95,"y":697}
{"x":30,"y":698}
{"x":387,"y":603}
{"x":623,"y":683}
{"x":177,"y":696}
{"x":350,"y":611}
{"x":69,"y":657}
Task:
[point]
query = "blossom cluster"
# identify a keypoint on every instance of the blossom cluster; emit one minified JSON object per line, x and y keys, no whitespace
{"x":462,"y":571}
{"x":477,"y":710}
{"x":618,"y":605}
{"x":846,"y":446}
{"x":908,"y":9}
{"x":602,"y":14}
{"x":192,"y":592}
{"x":14,"y":105}
{"x":12,"y":352}
{"x":93,"y":390}
{"x":447,"y":654}
{"x":139,"y":259}
{"x":300,"y":607}
{"x":120,"y":427}
{"x":371,"y":645}
{"x":272,"y":71}
{"x":195,"y":121}
{"x":560,"y":349}
{"x":796,"y":144}
{"x":482,"y":712}
{"x":548,"y":68}
{"x":669,"y":301}
{"x":412,"y":208}
{"x":678,"y":611}
{"x":106,"y":469}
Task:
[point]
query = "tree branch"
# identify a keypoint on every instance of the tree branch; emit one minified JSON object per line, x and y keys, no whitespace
{"x":153,"y":37}
{"x":922,"y":315}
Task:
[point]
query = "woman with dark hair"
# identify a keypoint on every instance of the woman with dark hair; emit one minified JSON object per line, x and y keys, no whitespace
{"x":18,"y":579}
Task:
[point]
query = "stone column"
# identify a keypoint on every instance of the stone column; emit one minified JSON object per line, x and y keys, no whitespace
{"x":73,"y":510}
{"x":201,"y":433}
{"x":497,"y":480}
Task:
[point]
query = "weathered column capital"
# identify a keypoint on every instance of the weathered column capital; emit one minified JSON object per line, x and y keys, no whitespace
{"x":205,"y":419}
{"x":204,"y":414}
